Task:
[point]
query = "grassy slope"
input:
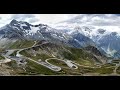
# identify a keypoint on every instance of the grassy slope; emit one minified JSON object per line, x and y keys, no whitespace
{"x":1,"y":57}
{"x":37,"y":57}
{"x":16,"y":70}
{"x":1,"y":49}
{"x":21,"y":44}
{"x":58,"y":63}
{"x":34,"y":68}
{"x":78,"y":55}
{"x":31,"y":69}
{"x":118,"y":70}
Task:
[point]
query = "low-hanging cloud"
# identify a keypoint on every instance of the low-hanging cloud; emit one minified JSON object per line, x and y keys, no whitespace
{"x":22,"y":16}
{"x":81,"y":19}
{"x":31,"y":18}
{"x":96,"y":19}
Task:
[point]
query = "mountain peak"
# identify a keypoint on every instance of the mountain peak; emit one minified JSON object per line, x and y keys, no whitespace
{"x":101,"y":31}
{"x":13,"y":22}
{"x":114,"y":33}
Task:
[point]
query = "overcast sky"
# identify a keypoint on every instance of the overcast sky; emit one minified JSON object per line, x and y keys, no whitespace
{"x":86,"y":19}
{"x":34,"y":18}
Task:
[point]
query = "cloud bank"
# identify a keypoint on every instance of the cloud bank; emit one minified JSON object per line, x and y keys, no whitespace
{"x":52,"y":19}
{"x":96,"y":19}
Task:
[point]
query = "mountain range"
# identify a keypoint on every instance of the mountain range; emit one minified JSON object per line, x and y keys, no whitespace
{"x":78,"y":37}
{"x":69,"y":50}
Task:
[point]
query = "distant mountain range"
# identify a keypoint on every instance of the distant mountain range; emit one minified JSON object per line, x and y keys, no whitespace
{"x":78,"y":37}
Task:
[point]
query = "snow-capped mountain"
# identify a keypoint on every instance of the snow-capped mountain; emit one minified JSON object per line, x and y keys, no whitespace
{"x":79,"y":39}
{"x":77,"y":36}
{"x":110,"y":43}
{"x":23,"y":30}
{"x":106,"y":40}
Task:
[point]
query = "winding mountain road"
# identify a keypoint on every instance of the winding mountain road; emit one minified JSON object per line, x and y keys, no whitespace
{"x":115,"y":70}
{"x":68,"y":62}
{"x":46,"y":63}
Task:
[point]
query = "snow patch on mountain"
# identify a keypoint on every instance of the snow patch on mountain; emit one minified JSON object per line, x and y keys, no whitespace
{"x":22,"y":24}
{"x":34,"y":29}
{"x":110,"y":52}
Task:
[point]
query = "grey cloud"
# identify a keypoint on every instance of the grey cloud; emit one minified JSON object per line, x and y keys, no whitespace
{"x":22,"y":16}
{"x":76,"y":19}
{"x":25,"y":17}
{"x":106,"y":20}
{"x":33,"y":20}
{"x":117,"y":14}
{"x":103,"y":24}
{"x":79,"y":17}
{"x":103,"y":19}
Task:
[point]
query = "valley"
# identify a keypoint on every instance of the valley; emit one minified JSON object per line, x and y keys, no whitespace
{"x":55,"y":64}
